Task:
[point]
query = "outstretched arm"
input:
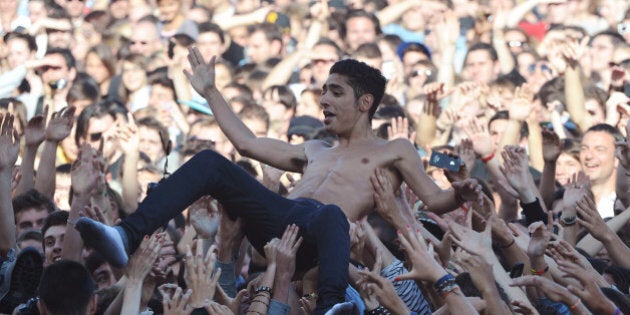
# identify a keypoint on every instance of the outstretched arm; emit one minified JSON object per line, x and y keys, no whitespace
{"x":9,"y":149}
{"x":270,"y":151}
{"x":440,"y":201}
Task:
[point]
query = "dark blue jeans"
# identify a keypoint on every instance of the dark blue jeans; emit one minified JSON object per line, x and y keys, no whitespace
{"x":265,"y":215}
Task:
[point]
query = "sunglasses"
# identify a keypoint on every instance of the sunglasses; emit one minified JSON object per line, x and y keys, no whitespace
{"x":97,"y":136}
{"x":416,"y":73}
{"x":543,"y":68}
{"x":515,"y":43}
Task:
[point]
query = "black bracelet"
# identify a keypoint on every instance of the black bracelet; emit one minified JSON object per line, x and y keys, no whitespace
{"x":262,"y":288}
{"x":380,"y":310}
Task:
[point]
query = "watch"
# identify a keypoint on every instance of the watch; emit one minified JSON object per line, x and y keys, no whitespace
{"x":568,"y":221}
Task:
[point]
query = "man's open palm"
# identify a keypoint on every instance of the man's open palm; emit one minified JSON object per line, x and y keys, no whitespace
{"x":202,"y":77}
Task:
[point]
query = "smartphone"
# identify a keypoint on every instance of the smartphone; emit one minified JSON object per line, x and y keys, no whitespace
{"x":517,"y":270}
{"x":445,"y":161}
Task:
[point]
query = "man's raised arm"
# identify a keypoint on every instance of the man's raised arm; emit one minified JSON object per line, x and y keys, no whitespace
{"x":270,"y":151}
{"x":437,"y":200}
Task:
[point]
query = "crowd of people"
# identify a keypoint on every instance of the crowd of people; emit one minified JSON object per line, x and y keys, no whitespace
{"x":273,"y":157}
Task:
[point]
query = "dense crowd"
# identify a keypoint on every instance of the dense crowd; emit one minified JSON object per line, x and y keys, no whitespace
{"x":125,"y":112}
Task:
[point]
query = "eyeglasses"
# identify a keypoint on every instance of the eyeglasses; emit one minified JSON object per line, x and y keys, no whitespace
{"x":425,"y":72}
{"x":542,"y":67}
{"x":46,"y":68}
{"x":516,"y":43}
{"x":96,"y":136}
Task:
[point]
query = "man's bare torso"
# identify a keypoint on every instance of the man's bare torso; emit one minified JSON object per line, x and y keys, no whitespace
{"x":341,"y":175}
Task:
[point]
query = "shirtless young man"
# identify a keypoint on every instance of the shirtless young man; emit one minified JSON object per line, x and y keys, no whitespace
{"x":335,"y":185}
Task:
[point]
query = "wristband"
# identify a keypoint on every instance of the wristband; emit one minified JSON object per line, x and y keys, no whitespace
{"x":443,"y":281}
{"x":576,"y":304}
{"x":489,"y":157}
{"x":539,"y":272}
{"x":617,"y":311}
{"x":261,"y":289}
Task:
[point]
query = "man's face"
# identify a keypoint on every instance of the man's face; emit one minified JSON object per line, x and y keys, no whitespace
{"x":95,"y":67}
{"x":150,"y":143}
{"x":18,"y":52}
{"x":98,"y":130}
{"x":168,"y":10}
{"x":566,"y":166}
{"x":326,"y":56}
{"x":209,"y":44}
{"x":479,"y":67}
{"x":597,"y":155}
{"x":103,"y":276}
{"x":57,"y":69}
{"x":145,"y":39}
{"x":59,"y":38}
{"x":62,"y":190}
{"x":496,"y":129}
{"x":30,"y":219}
{"x":74,"y":7}
{"x":359,"y":30}
{"x":53,"y":242}
{"x":601,"y":52}
{"x":339,"y":104}
{"x":260,"y":49}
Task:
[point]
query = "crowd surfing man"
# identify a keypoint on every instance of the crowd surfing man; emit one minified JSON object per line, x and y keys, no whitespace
{"x":335,"y":185}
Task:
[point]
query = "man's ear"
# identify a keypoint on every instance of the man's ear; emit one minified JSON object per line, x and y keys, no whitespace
{"x":365,"y":102}
{"x":92,"y":305}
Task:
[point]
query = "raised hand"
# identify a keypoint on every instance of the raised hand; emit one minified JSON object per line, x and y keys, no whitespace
{"x":590,"y":219}
{"x":35,"y":130}
{"x":86,"y":174}
{"x":204,"y":217}
{"x":127,"y":134}
{"x":477,"y":132}
{"x":465,"y":150}
{"x":177,"y":304}
{"x":471,"y":240}
{"x":551,"y":145}
{"x":142,"y":260}
{"x":202,"y":77}
{"x":199,"y":275}
{"x":424,"y":266}
{"x":399,"y":128}
{"x":9,"y":142}
{"x":521,"y":105}
{"x":468,"y":190}
{"x":540,"y":237}
{"x":60,"y":124}
{"x":574,"y":191}
{"x":287,"y":249}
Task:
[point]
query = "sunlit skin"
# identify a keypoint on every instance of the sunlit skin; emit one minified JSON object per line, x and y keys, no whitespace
{"x":30,"y":219}
{"x":53,"y":243}
{"x":566,"y":166}
{"x":597,"y":155}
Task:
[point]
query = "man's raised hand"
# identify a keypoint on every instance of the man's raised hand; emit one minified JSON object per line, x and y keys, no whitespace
{"x":9,"y":142}
{"x":202,"y":77}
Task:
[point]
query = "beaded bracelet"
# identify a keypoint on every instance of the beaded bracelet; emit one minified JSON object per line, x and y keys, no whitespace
{"x":380,"y":310}
{"x":262,"y":288}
